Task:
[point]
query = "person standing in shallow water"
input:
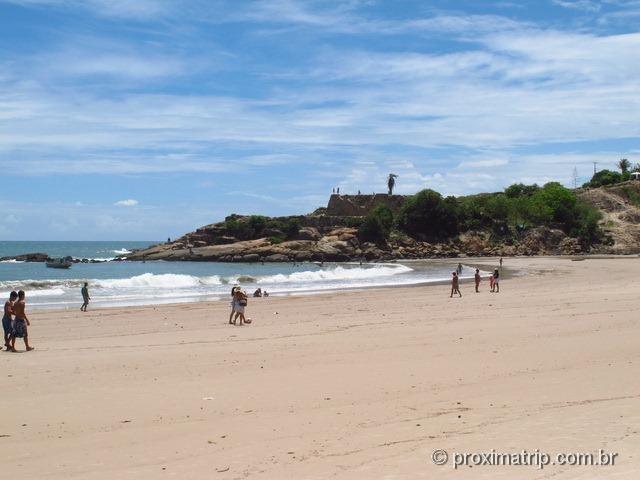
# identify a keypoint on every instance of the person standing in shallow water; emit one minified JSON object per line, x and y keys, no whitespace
{"x":85,"y":297}
{"x":7,"y":321}
{"x":20,"y":323}
{"x":477,"y":278}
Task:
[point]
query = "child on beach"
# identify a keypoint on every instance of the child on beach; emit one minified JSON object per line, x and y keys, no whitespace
{"x":20,"y":323}
{"x":491,"y":281}
{"x":477,"y":279}
{"x":455,"y":284}
{"x":7,"y":321}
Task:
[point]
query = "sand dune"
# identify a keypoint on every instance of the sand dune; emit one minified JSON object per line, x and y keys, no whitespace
{"x":357,"y":385}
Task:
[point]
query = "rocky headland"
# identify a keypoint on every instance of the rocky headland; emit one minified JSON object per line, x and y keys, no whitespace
{"x":331,"y":234}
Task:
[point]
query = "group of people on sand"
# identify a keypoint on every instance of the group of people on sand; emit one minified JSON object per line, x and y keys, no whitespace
{"x":494,"y":280}
{"x":15,"y":322}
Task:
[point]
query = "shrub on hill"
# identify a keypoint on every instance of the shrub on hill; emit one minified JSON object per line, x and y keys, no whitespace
{"x":253,"y":227}
{"x":605,"y":177}
{"x":376,"y":226}
{"x":427,"y":215}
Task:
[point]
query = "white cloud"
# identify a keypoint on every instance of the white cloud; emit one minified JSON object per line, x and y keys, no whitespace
{"x":117,"y":8}
{"x":586,"y":5}
{"x":127,"y":203}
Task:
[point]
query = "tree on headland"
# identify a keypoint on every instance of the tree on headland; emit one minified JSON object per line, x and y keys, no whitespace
{"x":391,"y":182}
{"x":624,"y":165}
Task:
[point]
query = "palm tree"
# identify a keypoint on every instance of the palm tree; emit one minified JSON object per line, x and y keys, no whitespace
{"x":624,"y":165}
{"x":391,"y":182}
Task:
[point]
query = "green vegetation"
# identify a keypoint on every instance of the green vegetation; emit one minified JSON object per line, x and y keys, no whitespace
{"x":427,"y":215}
{"x":606,"y":177}
{"x":256,"y":226}
{"x":376,"y":227}
{"x":609,"y":177}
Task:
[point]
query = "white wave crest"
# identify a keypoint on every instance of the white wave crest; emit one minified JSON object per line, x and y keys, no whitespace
{"x":166,"y":280}
{"x":338,"y":273}
{"x":12,"y":260}
{"x":122,"y":251}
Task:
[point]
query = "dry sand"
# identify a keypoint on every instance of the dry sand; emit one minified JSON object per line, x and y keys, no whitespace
{"x":357,"y":385}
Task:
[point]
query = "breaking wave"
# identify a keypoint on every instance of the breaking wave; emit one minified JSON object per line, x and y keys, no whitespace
{"x":165,"y":280}
{"x":337,"y":274}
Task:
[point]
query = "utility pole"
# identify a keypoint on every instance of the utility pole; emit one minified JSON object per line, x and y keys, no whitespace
{"x":575,"y":177}
{"x":594,"y":167}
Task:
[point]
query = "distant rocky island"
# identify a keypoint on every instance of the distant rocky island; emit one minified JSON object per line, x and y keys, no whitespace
{"x":384,"y":227}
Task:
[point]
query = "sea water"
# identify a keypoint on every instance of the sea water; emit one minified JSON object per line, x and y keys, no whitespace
{"x":154,"y":282}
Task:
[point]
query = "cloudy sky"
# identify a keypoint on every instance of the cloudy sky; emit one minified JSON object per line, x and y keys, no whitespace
{"x":145,"y":119}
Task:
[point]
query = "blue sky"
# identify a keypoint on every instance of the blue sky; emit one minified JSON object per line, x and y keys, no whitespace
{"x":146,"y":119}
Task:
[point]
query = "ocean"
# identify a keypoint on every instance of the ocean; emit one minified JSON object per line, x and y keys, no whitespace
{"x":155,"y":282}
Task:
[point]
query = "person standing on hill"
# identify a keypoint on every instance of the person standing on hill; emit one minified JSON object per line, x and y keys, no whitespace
{"x":85,"y":297}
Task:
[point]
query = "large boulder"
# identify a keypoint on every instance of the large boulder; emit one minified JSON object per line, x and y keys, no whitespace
{"x":277,"y":257}
{"x":308,"y":233}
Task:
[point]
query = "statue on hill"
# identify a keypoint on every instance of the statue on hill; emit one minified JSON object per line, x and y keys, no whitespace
{"x":391,"y":182}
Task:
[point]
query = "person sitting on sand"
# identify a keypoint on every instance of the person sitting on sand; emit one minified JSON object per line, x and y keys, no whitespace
{"x":241,"y":302}
{"x":455,"y":284}
{"x":477,"y":279}
{"x":20,"y":323}
{"x":85,"y":297}
{"x":233,"y":303}
{"x":258,"y":293}
{"x":496,"y":281}
{"x":7,"y":321}
{"x":265,"y":294}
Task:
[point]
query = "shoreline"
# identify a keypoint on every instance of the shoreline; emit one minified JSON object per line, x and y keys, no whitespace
{"x":214,"y":298}
{"x":487,"y":263}
{"x":508,"y":272}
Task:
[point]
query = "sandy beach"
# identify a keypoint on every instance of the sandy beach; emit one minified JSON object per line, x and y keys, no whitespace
{"x":351,"y":385}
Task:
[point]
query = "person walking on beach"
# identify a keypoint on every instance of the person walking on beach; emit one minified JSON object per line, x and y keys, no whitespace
{"x":20,"y":323}
{"x":85,"y":297}
{"x":496,"y":281}
{"x":7,"y":320}
{"x":477,"y":279}
{"x":233,"y":303}
{"x":241,"y":302}
{"x":455,"y":284}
